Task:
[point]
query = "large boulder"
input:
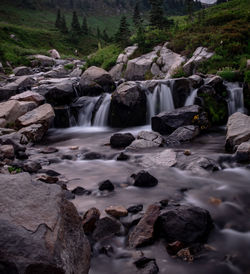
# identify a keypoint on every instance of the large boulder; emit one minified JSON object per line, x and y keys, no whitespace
{"x":183,"y":134}
{"x":186,"y":224}
{"x":42,"y":60}
{"x":20,"y":71}
{"x":138,"y":68}
{"x":181,"y":91}
{"x":43,"y":115}
{"x":40,"y":231}
{"x":128,"y":106}
{"x":167,"y":122}
{"x":121,"y":140}
{"x":21,"y":84}
{"x":238,"y":131}
{"x":54,"y":54}
{"x":96,"y":81}
{"x":147,"y":139}
{"x":201,"y":54}
{"x":12,"y":109}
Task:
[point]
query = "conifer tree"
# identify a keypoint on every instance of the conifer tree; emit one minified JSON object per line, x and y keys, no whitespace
{"x":84,"y":26}
{"x":137,"y":20}
{"x":58,"y":19}
{"x":157,"y":14}
{"x":75,"y":25}
{"x":63,"y":27}
{"x":123,"y":34}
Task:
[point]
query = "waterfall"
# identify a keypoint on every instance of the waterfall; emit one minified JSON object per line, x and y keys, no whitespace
{"x":236,"y":98}
{"x":191,"y":98}
{"x":85,"y":115}
{"x":101,"y":116}
{"x":160,"y":100}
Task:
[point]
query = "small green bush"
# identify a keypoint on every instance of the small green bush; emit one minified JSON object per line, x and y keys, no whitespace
{"x":69,"y":66}
{"x":247,"y":76}
{"x":14,"y":170}
{"x":179,"y":72}
{"x":228,"y":74}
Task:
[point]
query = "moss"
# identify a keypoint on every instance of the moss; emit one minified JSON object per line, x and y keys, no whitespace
{"x":149,"y":75}
{"x":179,"y":72}
{"x":69,"y":66}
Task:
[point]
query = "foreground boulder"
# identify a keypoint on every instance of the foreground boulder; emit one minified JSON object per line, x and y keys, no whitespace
{"x":144,"y":179}
{"x":21,"y":71}
{"x":96,"y":81}
{"x":29,"y":96}
{"x":238,"y":130}
{"x":128,"y":106}
{"x":183,"y":134}
{"x":167,"y":122}
{"x":41,"y":233}
{"x":186,"y":224}
{"x":143,"y":233}
{"x":147,"y":139}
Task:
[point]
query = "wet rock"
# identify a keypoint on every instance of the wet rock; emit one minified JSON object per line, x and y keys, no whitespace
{"x":68,"y":157}
{"x":243,"y":152}
{"x":107,"y":249}
{"x":196,"y":81}
{"x":50,"y":172}
{"x":43,"y":115}
{"x":96,"y":81}
{"x":89,"y":220}
{"x":201,"y":54}
{"x":7,"y":151}
{"x":181,"y":90}
{"x":185,"y":255}
{"x":142,"y":261}
{"x":238,"y":131}
{"x":69,"y":195}
{"x":122,"y":157}
{"x":41,"y":233}
{"x":93,"y":156}
{"x":183,"y":134}
{"x":77,"y":72}
{"x":28,"y":96}
{"x":144,"y":232}
{"x":166,"y":158}
{"x":128,"y":106}
{"x":33,"y":133}
{"x":167,"y":122}
{"x":80,"y":191}
{"x":135,"y":208}
{"x":106,"y":185}
{"x":47,"y":179}
{"x":21,"y":71}
{"x":147,"y":139}
{"x":186,"y":224}
{"x":150,"y":268}
{"x":144,"y":179}
{"x":31,"y":167}
{"x":116,"y":211}
{"x":49,"y":150}
{"x":105,"y":228}
{"x":174,"y":248}
{"x":121,"y":140}
{"x":131,"y":220}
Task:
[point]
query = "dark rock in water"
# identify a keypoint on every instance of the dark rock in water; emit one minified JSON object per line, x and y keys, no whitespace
{"x":89,"y":220}
{"x":31,"y":167}
{"x":93,"y":156}
{"x":48,"y":179}
{"x":43,"y":232}
{"x":150,"y":268}
{"x":144,"y":179}
{"x":187,"y":224}
{"x":21,"y":155}
{"x":144,"y":232}
{"x":196,"y":81}
{"x":69,"y":195}
{"x":52,"y":173}
{"x":128,"y":106}
{"x":174,"y":248}
{"x":106,"y":185}
{"x":131,"y":220}
{"x":63,"y":117}
{"x":122,"y":157}
{"x":67,"y":157}
{"x":79,"y":191}
{"x":96,"y":81}
{"x":121,"y":140}
{"x":135,"y":208}
{"x":49,"y":150}
{"x":107,"y":249}
{"x":167,"y":122}
{"x":142,"y":261}
{"x":105,"y":228}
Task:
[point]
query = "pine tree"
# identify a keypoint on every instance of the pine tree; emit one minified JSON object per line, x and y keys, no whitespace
{"x":137,"y":20}
{"x":157,"y":14}
{"x":123,"y":34}
{"x":75,"y":25}
{"x":84,"y":26}
{"x":58,"y":19}
{"x":63,"y":27}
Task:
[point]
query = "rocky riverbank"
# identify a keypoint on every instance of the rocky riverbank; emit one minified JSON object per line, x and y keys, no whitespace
{"x":159,"y":198}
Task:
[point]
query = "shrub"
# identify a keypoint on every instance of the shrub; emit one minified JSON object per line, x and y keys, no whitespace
{"x":69,"y":66}
{"x":247,"y":76}
{"x":179,"y":72}
{"x":228,"y":74}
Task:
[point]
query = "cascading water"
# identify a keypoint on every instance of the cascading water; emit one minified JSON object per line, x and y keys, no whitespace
{"x":191,"y":98}
{"x":236,"y":98}
{"x":101,"y":116}
{"x":85,"y":115}
{"x":160,"y":100}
